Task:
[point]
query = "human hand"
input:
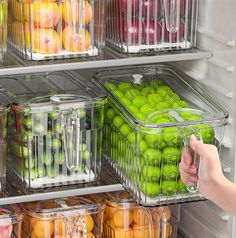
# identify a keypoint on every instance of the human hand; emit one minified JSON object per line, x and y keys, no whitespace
{"x":210,"y":173}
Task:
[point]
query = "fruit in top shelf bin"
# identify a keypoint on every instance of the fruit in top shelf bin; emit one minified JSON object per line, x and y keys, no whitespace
{"x":171,"y":155}
{"x":44,"y":15}
{"x":118,"y":93}
{"x":162,"y":105}
{"x":83,"y":147}
{"x":146,"y":109}
{"x":132,"y":137}
{"x":38,"y":128}
{"x":76,"y":41}
{"x":152,"y":32}
{"x":173,"y":37}
{"x":189,"y":116}
{"x":132,"y":32}
{"x":182,"y":187}
{"x":133,"y":109}
{"x":55,"y":144}
{"x":124,"y":86}
{"x":171,"y":136}
{"x":29,"y":163}
{"x":180,"y":104}
{"x":141,"y":231}
{"x":42,"y":172}
{"x":170,"y":172}
{"x":125,"y":129}
{"x":26,"y":152}
{"x":86,"y":155}
{"x":6,"y":226}
{"x":52,"y":172}
{"x":28,"y":122}
{"x":163,"y":91}
{"x":142,"y":145}
{"x":30,"y":174}
{"x":47,"y":158}
{"x":154,"y":98}
{"x":122,"y":218}
{"x":44,"y":41}
{"x":53,"y":115}
{"x":43,"y":228}
{"x":150,"y":189}
{"x":138,"y":102}
{"x":156,"y":83}
{"x":125,"y":101}
{"x":140,"y":116}
{"x":118,"y":121}
{"x":169,"y":187}
{"x":151,"y":173}
{"x":152,"y":156}
{"x":110,"y":113}
{"x":71,"y":12}
{"x":147,"y":90}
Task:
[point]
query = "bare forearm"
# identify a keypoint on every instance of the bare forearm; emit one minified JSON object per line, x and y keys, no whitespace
{"x":224,"y":195}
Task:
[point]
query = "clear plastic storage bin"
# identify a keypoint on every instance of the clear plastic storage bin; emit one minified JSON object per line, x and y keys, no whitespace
{"x":10,"y":221}
{"x":151,"y":113}
{"x":55,"y":129}
{"x":139,"y":26}
{"x":57,"y":29}
{"x":125,"y":218}
{"x":3,"y":28}
{"x":67,"y":217}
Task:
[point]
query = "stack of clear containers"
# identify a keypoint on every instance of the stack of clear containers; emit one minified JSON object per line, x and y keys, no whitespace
{"x":125,"y":218}
{"x":3,"y":28}
{"x":67,"y":217}
{"x":57,"y":29}
{"x":55,"y":129}
{"x":150,"y":115}
{"x":10,"y":221}
{"x":139,"y":26}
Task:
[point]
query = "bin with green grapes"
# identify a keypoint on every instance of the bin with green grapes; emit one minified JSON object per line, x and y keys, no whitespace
{"x":151,"y":113}
{"x":56,"y":134}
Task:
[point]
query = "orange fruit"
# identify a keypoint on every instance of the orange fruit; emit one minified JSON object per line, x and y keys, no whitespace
{"x":89,"y":235}
{"x":164,"y":212}
{"x":43,"y":229}
{"x":44,"y":41}
{"x":110,"y":210}
{"x":59,"y":227}
{"x":120,"y":233}
{"x":71,"y":12}
{"x":89,"y":222}
{"x":140,"y":216}
{"x":33,"y":235}
{"x":110,"y":223}
{"x":122,"y":218}
{"x":141,"y":231}
{"x":74,"y":41}
{"x":168,"y":232}
{"x":45,"y":15}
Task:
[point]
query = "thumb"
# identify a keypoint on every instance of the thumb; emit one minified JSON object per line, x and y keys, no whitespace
{"x":197,"y":146}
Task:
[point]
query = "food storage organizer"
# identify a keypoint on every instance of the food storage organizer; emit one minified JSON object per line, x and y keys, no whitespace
{"x":57,"y":29}
{"x":10,"y":221}
{"x":125,"y":218}
{"x":4,"y":109}
{"x":69,"y":217}
{"x":138,"y":26}
{"x":151,"y":113}
{"x":3,"y":29}
{"x":55,"y":129}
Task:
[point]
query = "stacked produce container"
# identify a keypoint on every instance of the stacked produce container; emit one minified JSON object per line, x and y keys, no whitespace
{"x":151,"y":113}
{"x":57,"y":29}
{"x":3,"y":28}
{"x":139,"y":26}
{"x":55,"y":130}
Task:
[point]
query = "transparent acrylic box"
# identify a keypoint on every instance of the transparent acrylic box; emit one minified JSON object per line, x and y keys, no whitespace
{"x":139,"y":26}
{"x":55,"y":129}
{"x":57,"y":29}
{"x":150,"y":115}
{"x":125,"y":218}
{"x":65,"y":217}
{"x":3,"y":28}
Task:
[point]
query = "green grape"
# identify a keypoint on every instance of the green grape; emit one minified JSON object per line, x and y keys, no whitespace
{"x":171,"y":136}
{"x":171,"y":155}
{"x":151,"y":173}
{"x":170,"y":172}
{"x":150,"y":189}
{"x":152,"y":156}
{"x":169,"y":187}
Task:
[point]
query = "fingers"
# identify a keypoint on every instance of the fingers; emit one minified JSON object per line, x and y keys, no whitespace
{"x":186,"y":157}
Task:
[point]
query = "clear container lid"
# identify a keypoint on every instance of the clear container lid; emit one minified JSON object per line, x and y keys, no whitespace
{"x":190,"y":104}
{"x":10,"y":215}
{"x":45,"y":91}
{"x":63,"y":207}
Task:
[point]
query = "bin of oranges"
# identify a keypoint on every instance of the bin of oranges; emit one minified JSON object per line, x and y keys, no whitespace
{"x":68,"y":217}
{"x":126,"y":219}
{"x":52,"y":29}
{"x":10,"y":221}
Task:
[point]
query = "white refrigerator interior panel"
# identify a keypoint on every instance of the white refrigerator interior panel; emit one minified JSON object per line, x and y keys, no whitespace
{"x":216,"y":33}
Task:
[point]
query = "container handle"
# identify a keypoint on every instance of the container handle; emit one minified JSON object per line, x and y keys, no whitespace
{"x":172,"y":15}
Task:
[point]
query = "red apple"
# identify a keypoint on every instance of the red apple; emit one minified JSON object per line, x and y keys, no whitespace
{"x":132,"y":31}
{"x":172,"y":37}
{"x":134,"y":5}
{"x":5,"y":226}
{"x":151,"y":30}
{"x":153,"y":6}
